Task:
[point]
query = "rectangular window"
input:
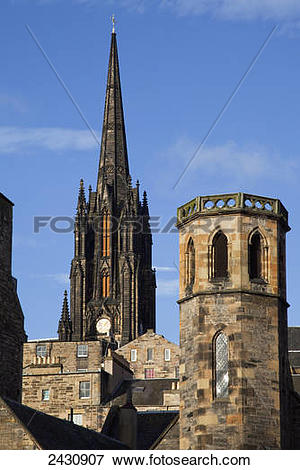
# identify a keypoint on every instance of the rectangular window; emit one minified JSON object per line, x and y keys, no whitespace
{"x":167,"y":354}
{"x":149,"y":373}
{"x":133,"y":355}
{"x":84,"y":389}
{"x":82,"y":350}
{"x":77,"y":419}
{"x":176,"y":372}
{"x":41,"y":350}
{"x":45,"y":395}
{"x":149,"y":354}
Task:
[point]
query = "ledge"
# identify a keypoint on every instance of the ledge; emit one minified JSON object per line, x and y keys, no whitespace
{"x":234,"y":291}
{"x":232,"y":203}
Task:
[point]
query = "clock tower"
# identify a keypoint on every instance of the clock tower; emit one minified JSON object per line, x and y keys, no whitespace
{"x":112,"y":282}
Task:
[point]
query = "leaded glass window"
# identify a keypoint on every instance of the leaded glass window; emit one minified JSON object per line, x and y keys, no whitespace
{"x":221,"y":366}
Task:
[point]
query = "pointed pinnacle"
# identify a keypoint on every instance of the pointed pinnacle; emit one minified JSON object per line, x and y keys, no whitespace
{"x":113,"y":19}
{"x":81,"y":197}
{"x":145,"y":200}
{"x":65,"y":307}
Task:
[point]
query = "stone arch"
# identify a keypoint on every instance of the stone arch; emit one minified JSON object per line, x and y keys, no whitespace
{"x":258,"y":255}
{"x":218,"y":255}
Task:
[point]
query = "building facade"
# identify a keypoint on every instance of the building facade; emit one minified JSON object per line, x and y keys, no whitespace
{"x":152,"y":356}
{"x":12,"y":334}
{"x":234,"y":389}
{"x":72,"y":380}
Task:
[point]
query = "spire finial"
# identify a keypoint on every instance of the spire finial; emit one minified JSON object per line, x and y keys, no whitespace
{"x":113,"y":19}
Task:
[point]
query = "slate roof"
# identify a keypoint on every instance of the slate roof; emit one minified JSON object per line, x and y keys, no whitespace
{"x":152,"y":425}
{"x":144,"y":392}
{"x":52,"y":433}
{"x":294,"y":338}
{"x":296,"y":383}
{"x":294,"y":359}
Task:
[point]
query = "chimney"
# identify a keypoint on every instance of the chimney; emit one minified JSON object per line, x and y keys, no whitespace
{"x":128,"y":422}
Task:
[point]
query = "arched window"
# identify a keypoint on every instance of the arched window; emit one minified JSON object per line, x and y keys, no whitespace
{"x":190,"y":264}
{"x":221,"y":376}
{"x":106,"y":234}
{"x":105,"y":284}
{"x":220,"y":256}
{"x":255,"y":256}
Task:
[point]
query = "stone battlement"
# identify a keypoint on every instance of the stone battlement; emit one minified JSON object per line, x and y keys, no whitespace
{"x":233,"y":202}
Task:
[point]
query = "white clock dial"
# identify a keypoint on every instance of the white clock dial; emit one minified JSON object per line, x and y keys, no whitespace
{"x":103,"y":326}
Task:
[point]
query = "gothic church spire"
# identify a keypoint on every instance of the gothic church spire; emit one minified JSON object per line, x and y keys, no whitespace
{"x":113,"y":165}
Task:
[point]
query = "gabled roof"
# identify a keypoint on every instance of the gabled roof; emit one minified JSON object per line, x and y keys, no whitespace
{"x":6,"y":199}
{"x":153,"y":426}
{"x":52,"y":433}
{"x":149,"y":333}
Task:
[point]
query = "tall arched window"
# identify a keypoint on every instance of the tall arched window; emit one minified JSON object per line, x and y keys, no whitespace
{"x":106,"y":234}
{"x":255,"y":256}
{"x":220,"y":256}
{"x":190,"y":264}
{"x":105,"y":284}
{"x":221,"y":376}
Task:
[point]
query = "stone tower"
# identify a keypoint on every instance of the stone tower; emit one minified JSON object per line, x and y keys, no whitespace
{"x":12,"y":335}
{"x":233,"y":323}
{"x":112,"y":291}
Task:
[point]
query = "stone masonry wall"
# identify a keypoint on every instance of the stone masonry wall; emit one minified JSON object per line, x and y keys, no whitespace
{"x":12,"y":334}
{"x":61,"y":372}
{"x":253,"y":316}
{"x":162,"y":368}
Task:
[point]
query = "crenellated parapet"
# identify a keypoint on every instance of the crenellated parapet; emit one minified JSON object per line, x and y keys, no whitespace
{"x":232,"y":202}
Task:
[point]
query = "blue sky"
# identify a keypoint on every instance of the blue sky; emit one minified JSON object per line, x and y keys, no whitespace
{"x":180,"y":60}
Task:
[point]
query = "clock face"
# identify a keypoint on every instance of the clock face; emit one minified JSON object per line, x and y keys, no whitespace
{"x":103,"y":326}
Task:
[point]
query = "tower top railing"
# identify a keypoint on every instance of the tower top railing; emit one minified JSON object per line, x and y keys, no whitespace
{"x":233,"y":202}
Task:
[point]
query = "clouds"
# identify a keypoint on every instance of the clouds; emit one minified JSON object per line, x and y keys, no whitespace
{"x":276,"y":10}
{"x":166,"y":269}
{"x":234,"y":162}
{"x":21,"y":140}
{"x":59,"y":278}
{"x":167,"y":287}
{"x":12,"y":102}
